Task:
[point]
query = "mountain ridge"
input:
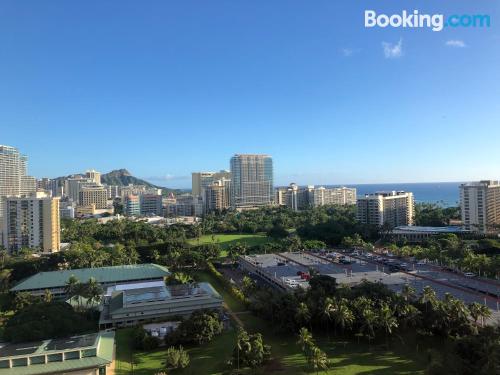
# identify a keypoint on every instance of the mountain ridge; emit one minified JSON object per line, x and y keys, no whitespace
{"x":122,"y":177}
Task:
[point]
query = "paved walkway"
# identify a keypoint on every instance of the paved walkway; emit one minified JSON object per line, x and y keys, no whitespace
{"x":233,"y":315}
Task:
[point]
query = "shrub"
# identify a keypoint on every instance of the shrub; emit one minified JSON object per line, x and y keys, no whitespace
{"x":176,"y":358}
{"x":150,"y":343}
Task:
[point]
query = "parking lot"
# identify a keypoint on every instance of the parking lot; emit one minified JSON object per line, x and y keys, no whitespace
{"x":292,"y":270}
{"x":420,"y":274}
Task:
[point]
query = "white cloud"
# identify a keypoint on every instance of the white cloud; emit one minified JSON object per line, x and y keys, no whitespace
{"x":393,"y":51}
{"x":347,"y":52}
{"x":456,"y":43}
{"x":167,"y":177}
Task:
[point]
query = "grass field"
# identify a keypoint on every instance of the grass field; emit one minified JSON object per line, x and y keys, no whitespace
{"x":226,"y":240}
{"x":347,"y":357}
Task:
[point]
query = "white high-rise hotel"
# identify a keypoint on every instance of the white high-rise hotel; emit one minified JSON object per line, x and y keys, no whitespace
{"x":480,"y":206}
{"x":394,"y":208}
{"x":13,"y":178}
{"x":26,"y":219}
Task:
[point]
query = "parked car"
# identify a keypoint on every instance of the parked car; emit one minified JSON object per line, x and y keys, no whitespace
{"x":344,"y":261}
{"x":394,"y":268}
{"x":404,"y":266}
{"x":469,"y":274}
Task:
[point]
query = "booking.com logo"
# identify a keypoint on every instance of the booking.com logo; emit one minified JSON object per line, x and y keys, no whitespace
{"x":436,"y":22}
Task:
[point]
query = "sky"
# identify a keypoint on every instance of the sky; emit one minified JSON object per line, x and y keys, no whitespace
{"x":165,"y":88}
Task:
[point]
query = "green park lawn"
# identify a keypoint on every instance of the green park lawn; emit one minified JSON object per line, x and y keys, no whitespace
{"x":347,"y":356}
{"x":226,"y":240}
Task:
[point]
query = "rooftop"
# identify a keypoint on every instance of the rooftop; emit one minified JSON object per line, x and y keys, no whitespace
{"x":417,"y":229}
{"x":68,"y":354}
{"x":130,"y":298}
{"x":114,"y":274}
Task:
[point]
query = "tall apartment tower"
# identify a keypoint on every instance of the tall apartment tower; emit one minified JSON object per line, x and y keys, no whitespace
{"x":251,"y":181}
{"x":13,"y":176}
{"x":217,"y":196}
{"x":201,"y":180}
{"x":480,"y":206}
{"x":31,"y":222}
{"x":394,"y":208}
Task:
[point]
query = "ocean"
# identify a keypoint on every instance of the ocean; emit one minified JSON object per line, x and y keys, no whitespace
{"x":443,"y":193}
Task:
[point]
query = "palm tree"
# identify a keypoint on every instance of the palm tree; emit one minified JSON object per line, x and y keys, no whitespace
{"x":408,"y":313}
{"x":368,"y":325}
{"x":302,"y":314}
{"x":386,"y":319}
{"x":428,"y":296}
{"x":408,"y":292}
{"x":326,"y":313}
{"x":305,"y":339}
{"x":318,"y":359}
{"x":342,"y":315}
{"x":474,"y":311}
{"x":93,"y":291}
{"x":242,"y":343}
{"x":71,"y":286}
{"x":484,"y":313}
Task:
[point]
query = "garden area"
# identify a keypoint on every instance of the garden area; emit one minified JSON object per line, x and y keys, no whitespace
{"x":346,"y":356}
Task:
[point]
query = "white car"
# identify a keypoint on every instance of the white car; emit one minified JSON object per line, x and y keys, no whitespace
{"x":469,"y":274}
{"x":421,"y":263}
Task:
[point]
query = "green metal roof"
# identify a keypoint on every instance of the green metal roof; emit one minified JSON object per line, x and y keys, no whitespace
{"x":105,"y":348}
{"x":55,"y":279}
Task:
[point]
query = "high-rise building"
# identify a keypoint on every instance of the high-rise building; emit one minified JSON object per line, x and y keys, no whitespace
{"x":131,"y":205}
{"x":280,"y":196}
{"x":393,"y":208}
{"x":341,"y":196}
{"x":28,"y":185}
{"x":297,"y":198}
{"x":94,"y":176}
{"x":48,"y":185}
{"x":151,"y":204}
{"x":31,"y":222}
{"x":114,"y":191}
{"x":13,"y":176}
{"x":73,"y":186}
{"x":251,"y":181}
{"x":201,"y":180}
{"x":300,"y":198}
{"x":97,"y":195}
{"x":216,"y":197}
{"x":185,"y":205}
{"x":480,"y":206}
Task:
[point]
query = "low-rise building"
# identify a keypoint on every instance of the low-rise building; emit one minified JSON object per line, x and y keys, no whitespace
{"x":55,"y":281}
{"x":83,"y":211}
{"x":416,"y":234}
{"x":132,"y":304}
{"x":90,"y":354}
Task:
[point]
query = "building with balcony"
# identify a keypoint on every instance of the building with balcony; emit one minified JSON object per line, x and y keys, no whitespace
{"x":392,"y":208}
{"x":480,"y":206}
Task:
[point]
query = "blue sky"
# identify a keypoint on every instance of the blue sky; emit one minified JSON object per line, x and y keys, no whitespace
{"x":164,"y":88}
